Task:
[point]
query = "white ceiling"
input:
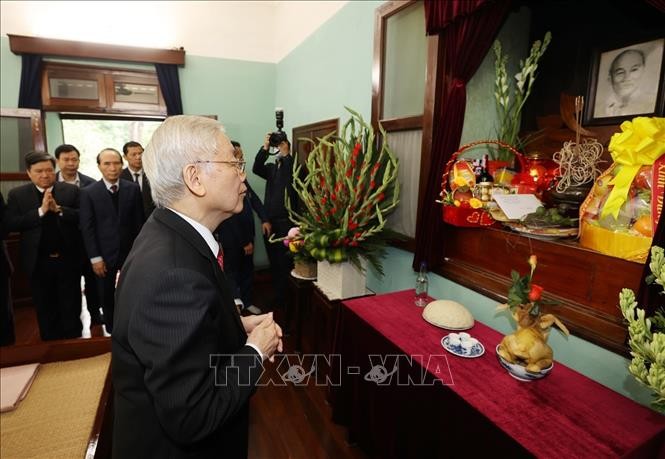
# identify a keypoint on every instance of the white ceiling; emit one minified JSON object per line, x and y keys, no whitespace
{"x":264,"y":31}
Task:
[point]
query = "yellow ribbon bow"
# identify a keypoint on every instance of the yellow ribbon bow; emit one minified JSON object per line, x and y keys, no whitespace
{"x":640,"y":144}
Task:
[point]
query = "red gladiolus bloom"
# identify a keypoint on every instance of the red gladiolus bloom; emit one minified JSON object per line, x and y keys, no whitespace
{"x":349,"y":172}
{"x":356,"y":149}
{"x":372,"y":184}
{"x":333,"y":196}
{"x":381,"y":197}
{"x":535,"y":293}
{"x":324,"y":200}
{"x":353,"y":225}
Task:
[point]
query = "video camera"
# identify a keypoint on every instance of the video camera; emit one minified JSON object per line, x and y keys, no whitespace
{"x":278,"y":136}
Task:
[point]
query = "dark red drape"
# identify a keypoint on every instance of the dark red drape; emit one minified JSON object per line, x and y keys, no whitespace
{"x":466,"y":30}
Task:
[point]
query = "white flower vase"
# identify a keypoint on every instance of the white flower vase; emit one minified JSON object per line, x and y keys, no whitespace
{"x":339,"y":281}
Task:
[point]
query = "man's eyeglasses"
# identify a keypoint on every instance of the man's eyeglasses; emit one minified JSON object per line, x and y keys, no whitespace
{"x":240,"y":165}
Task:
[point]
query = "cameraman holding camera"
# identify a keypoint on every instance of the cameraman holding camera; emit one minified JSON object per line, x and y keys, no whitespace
{"x":278,"y":176}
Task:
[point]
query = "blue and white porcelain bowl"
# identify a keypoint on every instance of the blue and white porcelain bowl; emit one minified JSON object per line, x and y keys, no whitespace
{"x":519,"y":371}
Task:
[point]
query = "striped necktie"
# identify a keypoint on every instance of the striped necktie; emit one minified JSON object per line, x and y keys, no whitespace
{"x":220,"y":258}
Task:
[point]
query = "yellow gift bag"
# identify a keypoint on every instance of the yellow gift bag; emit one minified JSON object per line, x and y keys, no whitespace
{"x":620,"y":215}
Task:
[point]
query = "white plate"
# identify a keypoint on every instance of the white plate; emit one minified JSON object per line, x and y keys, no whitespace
{"x":476,"y":351}
{"x":298,"y":276}
{"x":447,"y":328}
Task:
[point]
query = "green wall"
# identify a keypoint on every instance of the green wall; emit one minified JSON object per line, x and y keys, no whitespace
{"x":333,"y":68}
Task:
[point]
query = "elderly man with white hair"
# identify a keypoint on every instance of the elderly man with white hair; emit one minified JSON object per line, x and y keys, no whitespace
{"x":184,"y":362}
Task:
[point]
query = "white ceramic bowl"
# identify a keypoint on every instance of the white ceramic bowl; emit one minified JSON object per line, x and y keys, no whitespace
{"x":519,"y":372}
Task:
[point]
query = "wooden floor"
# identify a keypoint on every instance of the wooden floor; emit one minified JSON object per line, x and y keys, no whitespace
{"x":285,"y":421}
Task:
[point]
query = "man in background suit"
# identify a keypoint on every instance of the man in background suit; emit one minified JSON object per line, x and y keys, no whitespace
{"x":236,"y":234}
{"x":7,"y":335}
{"x":68,"y":159}
{"x":279,"y":183}
{"x":46,"y":213}
{"x":134,"y":172}
{"x":184,"y":366}
{"x":111,"y":218}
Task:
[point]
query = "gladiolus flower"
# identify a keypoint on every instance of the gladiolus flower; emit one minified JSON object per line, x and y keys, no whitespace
{"x":381,"y":197}
{"x":349,"y":172}
{"x":372,"y":184}
{"x":324,"y":200}
{"x":535,"y":293}
{"x":353,"y":225}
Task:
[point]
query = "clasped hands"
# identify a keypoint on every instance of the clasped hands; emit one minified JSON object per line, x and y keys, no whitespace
{"x":264,"y":333}
{"x":49,"y":204}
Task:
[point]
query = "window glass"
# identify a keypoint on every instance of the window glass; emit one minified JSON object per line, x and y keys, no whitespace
{"x":91,"y":136}
{"x":406,"y":146}
{"x":136,"y":93}
{"x":405,"y":63}
{"x":70,"y":88}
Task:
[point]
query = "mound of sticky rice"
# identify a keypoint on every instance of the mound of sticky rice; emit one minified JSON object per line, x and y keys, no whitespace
{"x":448,"y":314}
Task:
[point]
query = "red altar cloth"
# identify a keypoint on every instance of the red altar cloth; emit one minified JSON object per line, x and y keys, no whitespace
{"x":564,"y":414}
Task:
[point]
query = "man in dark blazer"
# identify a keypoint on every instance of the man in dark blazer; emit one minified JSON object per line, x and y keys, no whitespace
{"x":7,"y":334}
{"x":184,"y":366}
{"x":111,"y":218}
{"x":134,"y":172}
{"x":46,"y":213}
{"x":236,"y":235}
{"x":279,"y":183}
{"x":68,"y":159}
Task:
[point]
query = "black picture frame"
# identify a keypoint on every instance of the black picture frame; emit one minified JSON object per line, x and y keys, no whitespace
{"x":621,"y":88}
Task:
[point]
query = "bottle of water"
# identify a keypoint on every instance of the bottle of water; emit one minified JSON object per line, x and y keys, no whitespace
{"x":422,"y":283}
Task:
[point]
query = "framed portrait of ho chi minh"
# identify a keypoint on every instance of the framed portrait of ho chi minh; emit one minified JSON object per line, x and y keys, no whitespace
{"x":626,"y":82}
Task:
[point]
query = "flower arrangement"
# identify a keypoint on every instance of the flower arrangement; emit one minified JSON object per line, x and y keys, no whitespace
{"x":296,"y":245}
{"x":349,"y":187}
{"x":647,"y":335}
{"x":509,"y":108}
{"x":524,"y":292}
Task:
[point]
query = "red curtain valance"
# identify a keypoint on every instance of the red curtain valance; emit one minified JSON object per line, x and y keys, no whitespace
{"x":441,"y":13}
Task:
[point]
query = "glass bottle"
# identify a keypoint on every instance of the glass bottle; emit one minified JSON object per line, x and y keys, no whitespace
{"x":484,"y":183}
{"x":422,"y":283}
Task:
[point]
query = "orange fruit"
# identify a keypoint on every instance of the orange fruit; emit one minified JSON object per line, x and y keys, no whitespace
{"x":643,"y":225}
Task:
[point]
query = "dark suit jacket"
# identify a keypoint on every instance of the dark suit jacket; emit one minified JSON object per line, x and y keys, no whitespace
{"x":23,"y":216}
{"x":174,"y":313}
{"x":279,"y":178}
{"x":108,"y":234}
{"x":84,"y":180}
{"x":146,"y":196}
